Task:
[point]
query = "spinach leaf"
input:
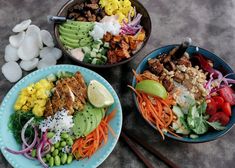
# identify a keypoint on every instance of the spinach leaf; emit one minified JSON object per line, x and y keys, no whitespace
{"x":201,"y":126}
{"x":216,"y":125}
{"x":202,"y":107}
{"x":184,"y":123}
{"x":195,"y":119}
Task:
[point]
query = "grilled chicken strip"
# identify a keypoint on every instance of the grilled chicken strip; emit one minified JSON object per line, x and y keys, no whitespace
{"x":66,"y":96}
{"x":69,"y":93}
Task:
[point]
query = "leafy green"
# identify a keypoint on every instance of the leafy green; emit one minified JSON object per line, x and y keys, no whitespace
{"x":216,"y":125}
{"x":202,"y":107}
{"x":184,"y":123}
{"x":18,"y":120}
{"x":195,"y":119}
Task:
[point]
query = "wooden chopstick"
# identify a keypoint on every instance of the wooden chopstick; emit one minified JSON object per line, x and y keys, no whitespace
{"x":136,"y":151}
{"x":145,"y":145}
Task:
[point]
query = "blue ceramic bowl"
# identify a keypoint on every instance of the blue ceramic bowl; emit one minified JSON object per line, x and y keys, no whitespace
{"x":6,"y":109}
{"x":218,"y":64}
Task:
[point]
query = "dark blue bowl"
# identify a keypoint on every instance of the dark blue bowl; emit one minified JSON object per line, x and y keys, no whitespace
{"x":219,"y":64}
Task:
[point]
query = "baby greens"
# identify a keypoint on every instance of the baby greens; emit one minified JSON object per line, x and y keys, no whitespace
{"x":195,"y":121}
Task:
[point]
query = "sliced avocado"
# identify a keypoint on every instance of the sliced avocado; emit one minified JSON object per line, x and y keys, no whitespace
{"x":85,"y":41}
{"x":79,"y":126}
{"x":88,"y":122}
{"x":66,"y":30}
{"x":93,"y":121}
{"x":66,"y":43}
{"x":79,"y":23}
{"x":99,"y":116}
{"x":72,"y":36}
{"x":71,"y":40}
{"x":103,"y":113}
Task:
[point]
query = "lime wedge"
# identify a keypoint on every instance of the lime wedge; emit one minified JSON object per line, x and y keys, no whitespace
{"x":98,"y":95}
{"x":152,"y":87}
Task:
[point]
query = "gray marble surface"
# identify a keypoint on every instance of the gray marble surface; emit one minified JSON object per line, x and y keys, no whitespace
{"x":211,"y":25}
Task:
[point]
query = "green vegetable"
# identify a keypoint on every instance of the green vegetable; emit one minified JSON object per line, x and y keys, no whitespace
{"x":152,"y":87}
{"x":50,"y":135}
{"x":69,"y":159}
{"x":195,"y":119}
{"x":63,"y":144}
{"x":69,"y":141}
{"x":64,"y":158}
{"x":34,"y":153}
{"x":51,"y":78}
{"x":48,"y":156}
{"x":18,"y":120}
{"x":202,"y":107}
{"x":57,"y":160}
{"x":51,"y":161}
{"x":193,"y":136}
{"x":64,"y":135}
{"x":216,"y":125}
{"x":44,"y":160}
{"x":52,"y":149}
{"x":56,"y":152}
{"x":64,"y":74}
{"x":57,"y":144}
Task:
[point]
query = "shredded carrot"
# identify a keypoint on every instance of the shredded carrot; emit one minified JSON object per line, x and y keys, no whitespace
{"x":86,"y":146}
{"x":155,"y":109}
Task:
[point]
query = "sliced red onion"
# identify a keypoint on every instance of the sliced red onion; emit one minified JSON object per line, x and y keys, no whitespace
{"x":27,"y":155}
{"x":47,"y":148}
{"x":134,"y":12}
{"x":26,"y":149}
{"x":230,"y":81}
{"x":39,"y":148}
{"x":208,"y":84}
{"x":229,"y":74}
{"x":136,"y":20}
{"x":23,"y":131}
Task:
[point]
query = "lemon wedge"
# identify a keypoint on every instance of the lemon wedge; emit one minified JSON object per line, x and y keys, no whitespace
{"x":98,"y":95}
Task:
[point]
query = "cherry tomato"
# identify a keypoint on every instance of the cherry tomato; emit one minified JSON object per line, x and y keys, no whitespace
{"x":226,"y":108}
{"x":220,"y":117}
{"x":228,"y":94}
{"x":211,"y":107}
{"x":218,"y":101}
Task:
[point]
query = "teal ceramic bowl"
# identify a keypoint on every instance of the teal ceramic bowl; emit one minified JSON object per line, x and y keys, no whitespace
{"x":218,"y":64}
{"x":6,"y":109}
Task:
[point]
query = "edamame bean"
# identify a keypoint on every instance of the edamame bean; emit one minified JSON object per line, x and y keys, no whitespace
{"x":69,"y":141}
{"x":64,"y":158}
{"x":34,"y":153}
{"x":64,"y":135}
{"x":50,"y":135}
{"x":69,"y":159}
{"x":56,"y":152}
{"x":57,"y":144}
{"x":63,"y":144}
{"x":52,"y":149}
{"x":44,"y":160}
{"x":48,"y":156}
{"x":51,"y":162}
{"x":57,"y":160}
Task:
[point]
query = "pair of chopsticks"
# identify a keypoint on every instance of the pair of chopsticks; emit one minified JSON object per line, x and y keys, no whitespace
{"x":130,"y":139}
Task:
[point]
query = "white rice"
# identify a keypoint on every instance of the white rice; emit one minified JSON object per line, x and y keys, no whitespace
{"x":59,"y":123}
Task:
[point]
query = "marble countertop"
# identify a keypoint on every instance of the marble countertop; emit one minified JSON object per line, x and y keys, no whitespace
{"x":210,"y":24}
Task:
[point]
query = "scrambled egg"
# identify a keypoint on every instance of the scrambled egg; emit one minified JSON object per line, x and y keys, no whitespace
{"x":34,"y":97}
{"x":118,"y":7}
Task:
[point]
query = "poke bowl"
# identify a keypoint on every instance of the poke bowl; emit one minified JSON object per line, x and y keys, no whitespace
{"x":189,"y":98}
{"x":58,"y":117}
{"x":102,"y":34}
